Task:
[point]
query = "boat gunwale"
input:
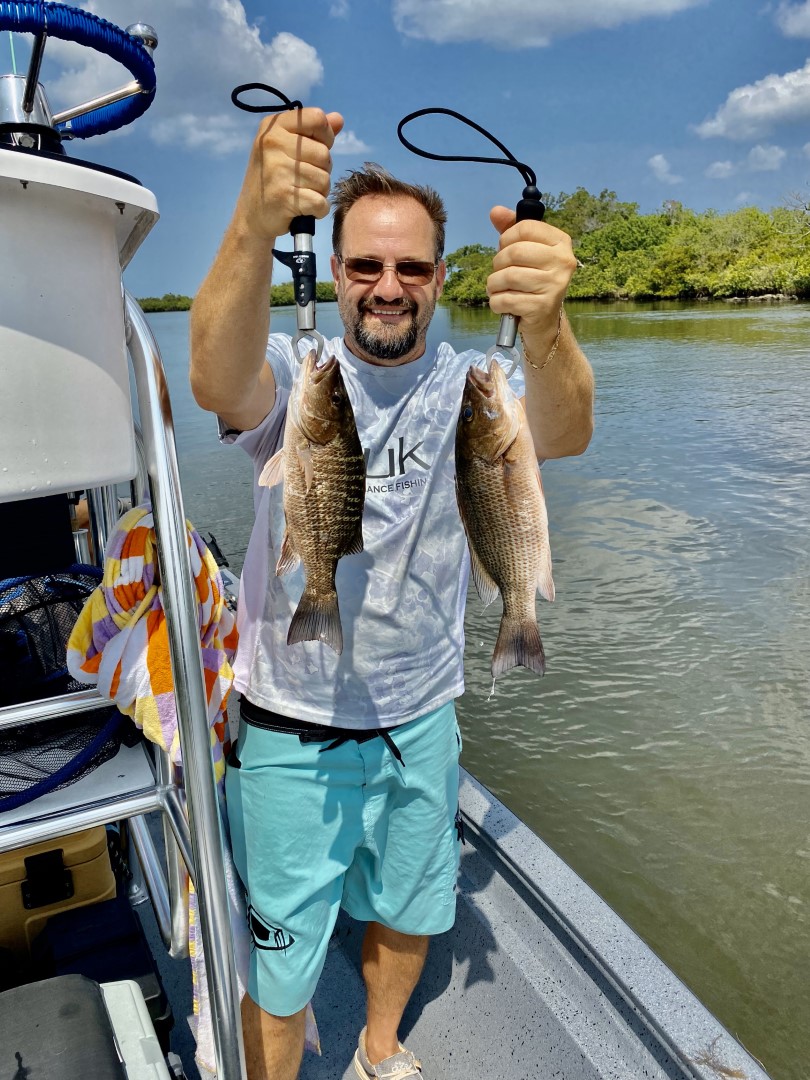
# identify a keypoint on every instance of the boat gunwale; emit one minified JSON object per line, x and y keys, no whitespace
{"x":673,"y":1015}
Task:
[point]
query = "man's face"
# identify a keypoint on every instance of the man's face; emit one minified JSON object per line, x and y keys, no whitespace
{"x":386,"y":322}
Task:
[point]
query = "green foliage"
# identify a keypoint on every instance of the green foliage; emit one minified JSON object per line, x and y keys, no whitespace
{"x":467,"y":273}
{"x":279,"y":294}
{"x":284,"y":294}
{"x":167,"y":302}
{"x":675,"y":253}
{"x":582,"y":213}
{"x":325,"y":292}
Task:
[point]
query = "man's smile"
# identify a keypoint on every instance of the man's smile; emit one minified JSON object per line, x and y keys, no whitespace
{"x":389,"y":315}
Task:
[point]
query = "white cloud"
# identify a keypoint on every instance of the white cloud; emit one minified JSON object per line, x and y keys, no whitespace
{"x":206,"y":48}
{"x":719,"y":170}
{"x":339,"y":9}
{"x":661,"y":170}
{"x":765,"y":158}
{"x":516,"y":24}
{"x":794,"y":19}
{"x":745,"y":198}
{"x":750,"y":112}
{"x":218,"y":136}
{"x":806,"y":149}
{"x":759,"y":159}
{"x":348,"y":143}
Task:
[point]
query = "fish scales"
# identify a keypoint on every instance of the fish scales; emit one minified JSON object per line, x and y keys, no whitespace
{"x":502,"y":508}
{"x":322,"y":522}
{"x":323,"y":469}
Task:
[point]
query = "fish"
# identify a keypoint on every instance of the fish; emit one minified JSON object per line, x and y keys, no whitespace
{"x":323,"y":470}
{"x":503,"y":511}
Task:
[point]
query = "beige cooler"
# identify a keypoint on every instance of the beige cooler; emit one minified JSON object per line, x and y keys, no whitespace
{"x":84,"y":857}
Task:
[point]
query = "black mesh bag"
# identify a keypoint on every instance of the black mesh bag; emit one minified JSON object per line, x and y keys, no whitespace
{"x":37,"y":614}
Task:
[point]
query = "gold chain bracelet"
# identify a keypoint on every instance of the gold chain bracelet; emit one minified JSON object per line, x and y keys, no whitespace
{"x":552,"y":354}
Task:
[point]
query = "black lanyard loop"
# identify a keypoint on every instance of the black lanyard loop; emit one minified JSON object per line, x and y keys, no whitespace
{"x":530,"y":206}
{"x":301,"y":261}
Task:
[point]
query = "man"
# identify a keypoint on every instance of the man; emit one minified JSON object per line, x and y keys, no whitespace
{"x":358,"y":821}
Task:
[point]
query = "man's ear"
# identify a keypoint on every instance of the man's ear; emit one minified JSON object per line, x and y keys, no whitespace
{"x":334,"y":266}
{"x":441,"y":274}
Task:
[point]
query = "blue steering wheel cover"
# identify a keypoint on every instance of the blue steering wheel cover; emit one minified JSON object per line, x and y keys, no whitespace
{"x":73,"y":24}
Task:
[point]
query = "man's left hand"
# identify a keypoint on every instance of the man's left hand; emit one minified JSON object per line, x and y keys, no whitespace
{"x":530,"y":272}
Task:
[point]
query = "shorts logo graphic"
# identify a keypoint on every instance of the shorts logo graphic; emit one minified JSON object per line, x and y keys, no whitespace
{"x":262,"y":933}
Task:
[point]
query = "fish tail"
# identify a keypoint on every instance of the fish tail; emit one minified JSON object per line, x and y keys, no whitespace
{"x":317,"y":618}
{"x":518,"y":645}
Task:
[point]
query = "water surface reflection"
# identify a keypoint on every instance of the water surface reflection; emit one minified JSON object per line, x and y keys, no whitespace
{"x":664,"y":755}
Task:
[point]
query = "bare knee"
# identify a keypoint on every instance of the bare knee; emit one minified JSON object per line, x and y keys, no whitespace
{"x":274,"y":1045}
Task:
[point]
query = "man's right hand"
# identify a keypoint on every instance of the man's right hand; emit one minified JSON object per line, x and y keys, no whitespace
{"x":288,"y":175}
{"x":289,"y":172}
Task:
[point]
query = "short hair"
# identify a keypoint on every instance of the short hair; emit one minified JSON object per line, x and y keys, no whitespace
{"x":373,"y":179}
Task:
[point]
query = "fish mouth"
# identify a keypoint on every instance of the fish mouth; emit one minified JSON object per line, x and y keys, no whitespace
{"x":481,"y":381}
{"x":318,"y":372}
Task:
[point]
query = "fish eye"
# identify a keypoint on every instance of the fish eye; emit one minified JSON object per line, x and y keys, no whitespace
{"x":467,"y":412}
{"x":337,"y":398}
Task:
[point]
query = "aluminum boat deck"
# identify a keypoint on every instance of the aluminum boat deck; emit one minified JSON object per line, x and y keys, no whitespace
{"x":538,"y":980}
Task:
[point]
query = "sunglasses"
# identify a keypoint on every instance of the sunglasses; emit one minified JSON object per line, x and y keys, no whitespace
{"x":409,"y":272}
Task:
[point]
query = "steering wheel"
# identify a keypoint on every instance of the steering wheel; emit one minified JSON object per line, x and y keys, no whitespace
{"x":45,"y":19}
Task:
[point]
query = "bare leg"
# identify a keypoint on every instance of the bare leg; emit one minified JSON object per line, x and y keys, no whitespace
{"x":392,"y":964}
{"x":274,"y":1045}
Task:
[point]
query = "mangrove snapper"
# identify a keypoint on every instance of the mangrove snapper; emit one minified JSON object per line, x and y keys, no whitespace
{"x":500,"y":499}
{"x":322,"y":466}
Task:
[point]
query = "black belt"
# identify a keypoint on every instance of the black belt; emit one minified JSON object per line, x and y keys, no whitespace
{"x":311,"y":733}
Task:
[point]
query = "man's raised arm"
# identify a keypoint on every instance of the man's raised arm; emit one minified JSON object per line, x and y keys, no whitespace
{"x":531,"y":272}
{"x":288,"y":175}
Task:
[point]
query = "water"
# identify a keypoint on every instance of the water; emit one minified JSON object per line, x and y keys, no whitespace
{"x":665,"y":753}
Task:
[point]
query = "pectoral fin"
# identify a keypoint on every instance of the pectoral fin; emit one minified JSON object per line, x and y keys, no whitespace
{"x":273,"y":471}
{"x":356,"y":545}
{"x":545,"y":582}
{"x":487,"y":589}
{"x":289,"y":558}
{"x":304,"y":451}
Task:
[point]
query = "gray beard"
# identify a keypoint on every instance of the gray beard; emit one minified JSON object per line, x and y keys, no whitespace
{"x":384,"y":348}
{"x":382,"y":343}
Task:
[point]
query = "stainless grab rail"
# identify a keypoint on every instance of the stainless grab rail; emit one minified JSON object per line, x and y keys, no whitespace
{"x":176,"y":866}
{"x":156,"y":884}
{"x":190,"y":699}
{"x":31,"y":712}
{"x":63,"y":822}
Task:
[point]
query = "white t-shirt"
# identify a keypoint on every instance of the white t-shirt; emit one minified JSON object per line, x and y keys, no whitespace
{"x":402,"y":598}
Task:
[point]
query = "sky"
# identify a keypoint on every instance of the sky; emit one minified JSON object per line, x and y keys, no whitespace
{"x":702,"y":101}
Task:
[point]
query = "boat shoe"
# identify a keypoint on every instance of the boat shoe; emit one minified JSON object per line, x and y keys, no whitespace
{"x":397,"y":1067}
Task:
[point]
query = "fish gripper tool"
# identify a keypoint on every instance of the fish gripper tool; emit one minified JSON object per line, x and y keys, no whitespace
{"x":531,"y":206}
{"x":301,"y":260}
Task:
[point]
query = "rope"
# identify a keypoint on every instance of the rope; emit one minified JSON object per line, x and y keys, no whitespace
{"x":287,"y":103}
{"x":527,"y":173}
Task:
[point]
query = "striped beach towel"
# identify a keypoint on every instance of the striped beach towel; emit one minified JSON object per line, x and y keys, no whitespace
{"x":120,"y":643}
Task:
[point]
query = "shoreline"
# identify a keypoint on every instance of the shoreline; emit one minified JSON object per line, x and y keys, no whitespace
{"x":153,"y":305}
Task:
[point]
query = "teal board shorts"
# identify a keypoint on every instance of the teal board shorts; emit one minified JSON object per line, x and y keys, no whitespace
{"x":315,"y":828}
